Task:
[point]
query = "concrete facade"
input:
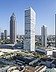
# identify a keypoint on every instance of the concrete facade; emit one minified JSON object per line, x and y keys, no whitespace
{"x":30,"y":21}
{"x":44,"y":35}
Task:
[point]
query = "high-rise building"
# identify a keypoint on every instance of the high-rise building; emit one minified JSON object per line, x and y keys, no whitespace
{"x":12,"y":28}
{"x":55,"y":30}
{"x":5,"y":34}
{"x":44,"y":35}
{"x":2,"y":36}
{"x":0,"y":33}
{"x":30,"y":21}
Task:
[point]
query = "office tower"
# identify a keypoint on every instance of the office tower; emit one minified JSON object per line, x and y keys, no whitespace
{"x":5,"y":34}
{"x":0,"y":33}
{"x":55,"y":30}
{"x":12,"y":29}
{"x":30,"y":21}
{"x":2,"y":36}
{"x":44,"y":35}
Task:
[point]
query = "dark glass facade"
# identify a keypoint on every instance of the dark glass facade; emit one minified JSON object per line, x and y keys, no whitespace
{"x":12,"y":28}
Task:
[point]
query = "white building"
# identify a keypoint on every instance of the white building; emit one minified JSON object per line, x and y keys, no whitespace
{"x":44,"y":35}
{"x":30,"y":21}
{"x":51,"y":70}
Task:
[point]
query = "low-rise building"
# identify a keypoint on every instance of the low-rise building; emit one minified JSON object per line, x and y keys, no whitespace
{"x":35,"y":69}
{"x":47,"y":51}
{"x":51,"y":70}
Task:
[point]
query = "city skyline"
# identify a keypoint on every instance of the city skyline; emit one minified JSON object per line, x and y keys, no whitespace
{"x":45,"y":10}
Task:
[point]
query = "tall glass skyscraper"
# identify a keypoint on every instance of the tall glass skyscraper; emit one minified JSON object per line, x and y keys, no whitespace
{"x":12,"y":29}
{"x":44,"y":35}
{"x":30,"y":21}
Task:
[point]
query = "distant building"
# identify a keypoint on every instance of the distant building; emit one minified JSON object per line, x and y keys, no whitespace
{"x":5,"y":34}
{"x":2,"y":36}
{"x":0,"y":33}
{"x":44,"y":35}
{"x":50,"y":70}
{"x":55,"y":30}
{"x":43,"y":50}
{"x":12,"y":28}
{"x":30,"y":21}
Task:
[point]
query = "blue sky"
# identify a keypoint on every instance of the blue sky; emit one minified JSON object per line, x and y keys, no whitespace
{"x":45,"y":11}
